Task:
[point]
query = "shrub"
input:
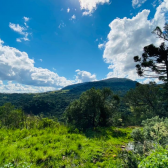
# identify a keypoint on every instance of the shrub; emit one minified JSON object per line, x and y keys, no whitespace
{"x":157,"y":159}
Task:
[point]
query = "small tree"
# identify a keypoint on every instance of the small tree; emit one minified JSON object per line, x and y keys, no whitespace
{"x":145,"y":101}
{"x":93,"y":108}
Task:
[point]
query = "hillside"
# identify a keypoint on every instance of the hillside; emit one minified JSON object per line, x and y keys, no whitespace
{"x":54,"y":103}
{"x":116,"y":84}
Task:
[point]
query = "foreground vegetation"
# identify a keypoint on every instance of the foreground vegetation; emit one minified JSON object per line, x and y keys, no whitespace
{"x":59,"y":146}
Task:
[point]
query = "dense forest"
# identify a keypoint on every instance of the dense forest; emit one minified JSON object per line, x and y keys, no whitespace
{"x":111,"y":123}
{"x":55,"y":103}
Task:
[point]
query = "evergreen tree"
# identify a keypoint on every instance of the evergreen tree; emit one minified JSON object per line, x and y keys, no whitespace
{"x":154,"y":60}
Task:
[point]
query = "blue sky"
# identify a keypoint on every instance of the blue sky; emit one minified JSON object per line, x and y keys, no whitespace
{"x":46,"y":45}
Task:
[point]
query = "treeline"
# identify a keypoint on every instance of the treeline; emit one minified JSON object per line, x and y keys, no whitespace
{"x":104,"y":108}
{"x":54,"y":103}
{"x":99,"y":108}
{"x":13,"y":118}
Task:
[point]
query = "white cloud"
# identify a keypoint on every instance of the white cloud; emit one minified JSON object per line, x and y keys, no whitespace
{"x":137,"y":3}
{"x":73,"y":17}
{"x":127,"y":39}
{"x":146,"y":81}
{"x":19,"y":40}
{"x":17,"y":66}
{"x":68,"y":10}
{"x":154,"y":4}
{"x":17,"y":28}
{"x":84,"y":76}
{"x":21,"y":30}
{"x":11,"y":87}
{"x":41,"y":60}
{"x":90,"y":5}
{"x":100,"y":46}
{"x":26,"y":19}
{"x":61,"y":25}
{"x":1,"y":42}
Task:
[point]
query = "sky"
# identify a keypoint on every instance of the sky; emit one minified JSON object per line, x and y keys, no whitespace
{"x":47,"y":45}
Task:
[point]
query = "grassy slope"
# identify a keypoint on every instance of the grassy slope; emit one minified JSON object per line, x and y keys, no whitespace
{"x":58,"y":147}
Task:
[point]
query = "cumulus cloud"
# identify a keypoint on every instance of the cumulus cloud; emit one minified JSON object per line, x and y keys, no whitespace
{"x":17,"y":66}
{"x":84,"y":76}
{"x":21,"y":30}
{"x":68,"y":10}
{"x":137,"y":3}
{"x":12,"y":87}
{"x":90,"y":5}
{"x":127,"y":39}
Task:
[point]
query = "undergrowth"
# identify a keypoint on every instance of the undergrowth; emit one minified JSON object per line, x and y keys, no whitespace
{"x":61,"y":147}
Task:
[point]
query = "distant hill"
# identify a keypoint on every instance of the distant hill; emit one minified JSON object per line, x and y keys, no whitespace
{"x":118,"y":85}
{"x":54,"y":103}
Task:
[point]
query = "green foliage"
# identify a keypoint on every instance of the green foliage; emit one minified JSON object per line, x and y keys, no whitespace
{"x":153,"y":62}
{"x":11,"y":117}
{"x":54,"y":103}
{"x":145,"y":101}
{"x":56,"y":147}
{"x":149,"y":143}
{"x":94,"y":108}
{"x":155,"y":129}
{"x":130,"y":160}
{"x":137,"y":135}
{"x":158,"y":158}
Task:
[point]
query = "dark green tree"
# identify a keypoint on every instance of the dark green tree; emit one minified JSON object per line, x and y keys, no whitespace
{"x":145,"y":101}
{"x":154,"y":60}
{"x":94,"y":108}
{"x":162,"y":34}
{"x":10,"y":117}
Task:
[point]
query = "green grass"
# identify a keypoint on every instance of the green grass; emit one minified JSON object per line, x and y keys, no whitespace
{"x":60,"y":147}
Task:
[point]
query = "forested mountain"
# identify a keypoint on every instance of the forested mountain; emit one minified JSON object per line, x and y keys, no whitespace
{"x":54,"y":103}
{"x":118,"y":85}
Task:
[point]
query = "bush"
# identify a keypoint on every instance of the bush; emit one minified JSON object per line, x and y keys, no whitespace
{"x":155,"y":129}
{"x":137,"y":135}
{"x":157,"y":159}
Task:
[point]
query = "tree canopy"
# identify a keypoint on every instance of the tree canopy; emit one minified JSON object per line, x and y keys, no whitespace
{"x":93,"y":108}
{"x":154,"y":60}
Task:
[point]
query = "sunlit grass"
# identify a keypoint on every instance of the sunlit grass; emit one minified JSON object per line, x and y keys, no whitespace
{"x":59,"y":147}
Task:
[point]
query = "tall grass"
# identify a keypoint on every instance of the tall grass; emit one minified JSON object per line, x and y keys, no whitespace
{"x":58,"y":146}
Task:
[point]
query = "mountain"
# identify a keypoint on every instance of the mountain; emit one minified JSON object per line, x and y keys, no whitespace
{"x":117,"y":85}
{"x":54,"y":103}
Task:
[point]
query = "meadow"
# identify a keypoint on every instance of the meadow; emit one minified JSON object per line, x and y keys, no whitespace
{"x":59,"y":146}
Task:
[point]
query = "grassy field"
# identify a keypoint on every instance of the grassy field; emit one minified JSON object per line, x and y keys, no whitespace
{"x":60,"y":147}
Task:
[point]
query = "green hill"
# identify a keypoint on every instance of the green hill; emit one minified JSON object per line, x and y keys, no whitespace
{"x":54,"y":103}
{"x":121,"y":85}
